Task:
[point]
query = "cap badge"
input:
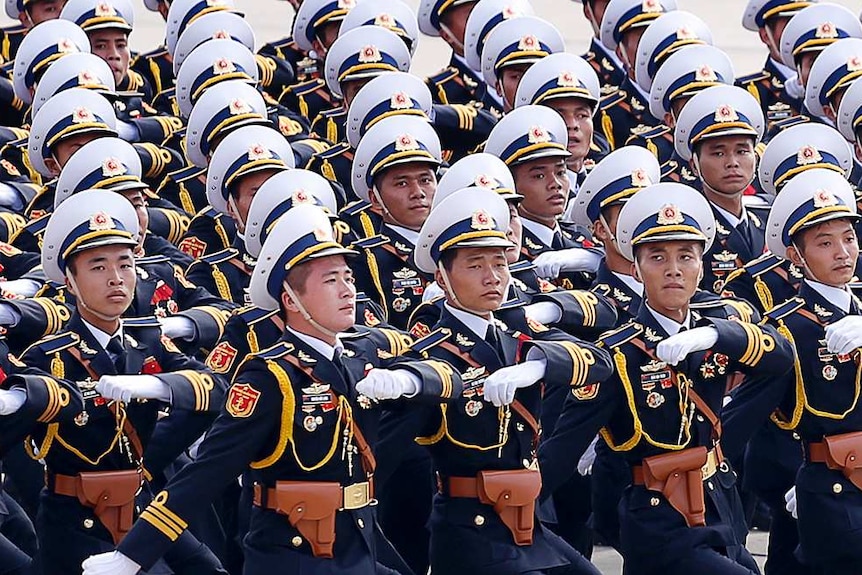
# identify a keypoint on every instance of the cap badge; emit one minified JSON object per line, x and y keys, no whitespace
{"x":221,"y":35}
{"x":385,"y":20}
{"x":239,"y":106}
{"x":105,"y":9}
{"x":486,"y":181}
{"x":87,"y":77}
{"x":406,"y":142}
{"x":650,"y":6}
{"x":101,"y":221}
{"x":223,"y":66}
{"x":369,"y":53}
{"x":113,"y":167}
{"x":82,"y":115}
{"x":826,"y":30}
{"x":259,"y":152}
{"x":854,"y":63}
{"x":640,"y":179}
{"x":346,"y":4}
{"x":705,"y":74}
{"x":400,"y":101}
{"x":66,"y":46}
{"x":322,"y":235}
{"x":726,"y":113}
{"x":511,"y":12}
{"x":528,"y":42}
{"x":685,"y":33}
{"x":808,"y":155}
{"x":824,"y":199}
{"x":481,"y":220}
{"x":669,"y":215}
{"x":216,"y":3}
{"x":300,"y":196}
{"x":538,"y":135}
{"x":567,"y":79}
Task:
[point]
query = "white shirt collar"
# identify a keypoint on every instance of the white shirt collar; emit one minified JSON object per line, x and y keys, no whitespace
{"x":478,"y":325}
{"x":102,"y":337}
{"x":839,"y":297}
{"x":731,"y":219}
{"x":668,"y":325}
{"x":320,"y":346}
{"x":785,"y":71}
{"x":541,"y":231}
{"x":411,"y":236}
{"x":631,"y":282}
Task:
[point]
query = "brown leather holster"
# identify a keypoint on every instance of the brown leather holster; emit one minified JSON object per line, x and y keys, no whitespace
{"x":111,"y":495}
{"x":679,"y":477}
{"x":841,"y":452}
{"x":512,"y":494}
{"x":310,"y":506}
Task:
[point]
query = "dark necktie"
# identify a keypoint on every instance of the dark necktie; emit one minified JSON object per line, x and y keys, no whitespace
{"x":493,"y":339}
{"x":118,"y":354}
{"x":744,"y":229}
{"x":557,"y":242}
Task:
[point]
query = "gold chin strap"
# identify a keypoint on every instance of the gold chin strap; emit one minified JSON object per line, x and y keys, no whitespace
{"x":79,"y":298}
{"x":304,"y":312}
{"x":450,"y":292}
{"x":804,"y":263}
{"x":608,"y":228}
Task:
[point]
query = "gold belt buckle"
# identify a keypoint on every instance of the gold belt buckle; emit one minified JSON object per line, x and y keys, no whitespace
{"x":710,"y":467}
{"x":357,"y":495}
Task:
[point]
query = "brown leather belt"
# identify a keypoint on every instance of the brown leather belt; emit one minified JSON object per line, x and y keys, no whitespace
{"x":458,"y":486}
{"x":354,"y":496}
{"x":64,"y":485}
{"x":817,"y":452}
{"x":714,"y":461}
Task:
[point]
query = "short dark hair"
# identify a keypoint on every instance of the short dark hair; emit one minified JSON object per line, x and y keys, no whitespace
{"x":447,"y":258}
{"x":297,"y":277}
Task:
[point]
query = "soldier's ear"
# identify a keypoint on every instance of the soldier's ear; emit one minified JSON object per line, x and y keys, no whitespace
{"x":635,"y":271}
{"x":288,"y":303}
{"x":795,"y":257}
{"x":52,"y":166}
{"x":441,"y":281}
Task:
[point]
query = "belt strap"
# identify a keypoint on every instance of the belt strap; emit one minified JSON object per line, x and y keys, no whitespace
{"x":266,"y":497}
{"x":66,"y":485}
{"x":467,"y":487}
{"x":817,"y":452}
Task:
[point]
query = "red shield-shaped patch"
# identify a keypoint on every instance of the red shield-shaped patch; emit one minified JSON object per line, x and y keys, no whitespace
{"x":193,"y":247}
{"x":241,"y":400}
{"x":221,"y":357}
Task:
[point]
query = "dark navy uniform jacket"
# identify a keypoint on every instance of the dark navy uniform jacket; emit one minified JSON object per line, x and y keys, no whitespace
{"x":571,"y":236}
{"x":458,"y":84}
{"x":731,"y":249}
{"x":610,"y":74}
{"x":768,"y":87}
{"x":621,"y":112}
{"x":275,"y":427}
{"x":639,"y":411}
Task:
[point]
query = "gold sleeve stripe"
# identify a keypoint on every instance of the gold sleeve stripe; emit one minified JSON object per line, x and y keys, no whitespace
{"x":58,"y":398}
{"x":582,"y":360}
{"x":444,"y":371}
{"x":219,"y":316}
{"x":587,"y":301}
{"x":159,"y":516}
{"x":758,"y":344}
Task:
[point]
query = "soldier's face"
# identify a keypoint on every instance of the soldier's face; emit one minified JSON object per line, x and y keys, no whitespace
{"x":606,"y":231}
{"x":803,"y":66}
{"x":545,"y":187}
{"x":628,"y":48}
{"x":829,"y":250}
{"x":770,"y":35}
{"x":578,"y":116}
{"x":479,"y":278}
{"x":327,"y":293}
{"x":515,"y":233}
{"x":42,"y":10}
{"x":594,"y":11}
{"x":406,"y":192}
{"x":351,"y":88}
{"x":136,"y":198}
{"x":670,"y":272}
{"x":325,"y":37}
{"x":726,"y":164}
{"x":104,"y":280}
{"x":112,"y":46}
{"x":65,"y":148}
{"x":243,"y":192}
{"x":507,"y":83}
{"x":453,"y":23}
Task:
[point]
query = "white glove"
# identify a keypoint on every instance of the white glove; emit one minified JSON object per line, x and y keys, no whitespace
{"x":110,"y":563}
{"x":500,"y":386}
{"x":790,"y":502}
{"x":24,"y":287}
{"x":127,"y":387}
{"x":177,"y":327}
{"x":11,"y":400}
{"x":432,"y":290}
{"x":128,"y":131}
{"x":844,"y":335}
{"x":9,"y":316}
{"x":379,"y":384}
{"x":674,"y":349}
{"x":585,"y":463}
{"x":544,"y":312}
{"x":550,"y":264}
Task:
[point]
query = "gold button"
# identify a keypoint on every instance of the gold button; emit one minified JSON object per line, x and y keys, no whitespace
{"x":88,"y":524}
{"x":519,"y":426}
{"x":479,"y":521}
{"x":837,"y":488}
{"x":654,"y":501}
{"x":297,"y":541}
{"x":361,"y":523}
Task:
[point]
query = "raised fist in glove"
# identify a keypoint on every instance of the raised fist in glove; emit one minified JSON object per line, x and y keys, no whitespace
{"x":11,"y":400}
{"x":675,"y":348}
{"x":844,"y":335}
{"x":550,"y":264}
{"x":128,"y":387}
{"x":381,"y":384}
{"x":500,"y":386}
{"x":790,"y":502}
{"x":110,"y":563}
{"x":177,"y":327}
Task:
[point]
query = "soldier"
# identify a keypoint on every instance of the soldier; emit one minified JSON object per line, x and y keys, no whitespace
{"x":461,"y":81}
{"x":319,"y":502}
{"x":29,"y":13}
{"x":155,"y":66}
{"x":532,"y":140}
{"x":813,"y":220}
{"x":606,"y":64}
{"x":682,"y":513}
{"x":849,"y":112}
{"x":717,"y":132}
{"x":832,"y":73}
{"x":245,"y":159}
{"x":776,"y":85}
{"x":87,"y":415}
{"x":483,"y":444}
{"x":511,"y":48}
{"x":622,"y":26}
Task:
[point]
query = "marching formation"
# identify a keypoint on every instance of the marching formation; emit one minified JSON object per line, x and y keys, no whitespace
{"x":302,"y":311}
